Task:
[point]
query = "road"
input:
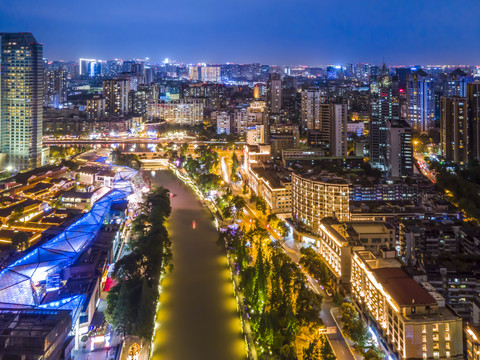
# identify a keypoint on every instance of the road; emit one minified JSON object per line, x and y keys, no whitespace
{"x":198,"y":317}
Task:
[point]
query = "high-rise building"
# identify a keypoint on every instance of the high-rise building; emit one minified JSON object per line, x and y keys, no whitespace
{"x":142,"y":101}
{"x":310,"y":114}
{"x":194,"y":73}
{"x":115,"y":92}
{"x":89,"y":67}
{"x":55,"y":82}
{"x":95,"y":107}
{"x":421,"y":101}
{"x":456,"y":84}
{"x":454,"y":129}
{"x":240,"y":116}
{"x":21,"y":97}
{"x":180,"y":112}
{"x":210,"y":73}
{"x":224,"y":121}
{"x":473,"y":95}
{"x":338,"y":129}
{"x":399,"y":149}
{"x":385,"y":105}
{"x":274,"y":94}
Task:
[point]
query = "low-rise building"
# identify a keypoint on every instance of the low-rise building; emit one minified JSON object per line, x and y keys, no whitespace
{"x":255,"y":155}
{"x":35,"y":334}
{"x":181,"y":111}
{"x":472,"y":342}
{"x":412,"y":320}
{"x":274,"y":189}
{"x":373,"y":235}
{"x":335,"y":247}
{"x":315,"y":196}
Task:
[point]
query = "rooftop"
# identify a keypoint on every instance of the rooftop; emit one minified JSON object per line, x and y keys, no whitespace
{"x":402,"y":288}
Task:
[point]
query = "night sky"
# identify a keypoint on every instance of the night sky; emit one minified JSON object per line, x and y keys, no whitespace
{"x":310,"y":32}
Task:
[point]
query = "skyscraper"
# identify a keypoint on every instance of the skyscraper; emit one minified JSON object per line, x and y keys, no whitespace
{"x":21,"y":97}
{"x":115,"y":92}
{"x":456,"y":84}
{"x":338,"y":130}
{"x":385,"y":106}
{"x":399,"y":148}
{"x":473,"y":95}
{"x":311,"y":100}
{"x":454,"y":129}
{"x":274,"y":94}
{"x":421,"y":101}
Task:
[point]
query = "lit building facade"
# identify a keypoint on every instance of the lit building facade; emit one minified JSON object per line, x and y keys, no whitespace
{"x":454,"y":129}
{"x":276,"y":191}
{"x":338,"y":130}
{"x":210,"y":73}
{"x":314,"y":198}
{"x":335,"y":247}
{"x":21,"y":96}
{"x":224,"y":122}
{"x":399,"y":149}
{"x":411,"y":318}
{"x":472,"y":340}
{"x":182,"y":111}
{"x":421,"y":101}
{"x":115,"y":92}
{"x":274,"y":94}
{"x":96,"y":107}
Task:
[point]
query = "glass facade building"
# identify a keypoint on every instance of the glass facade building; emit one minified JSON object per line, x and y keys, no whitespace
{"x":21,"y":97}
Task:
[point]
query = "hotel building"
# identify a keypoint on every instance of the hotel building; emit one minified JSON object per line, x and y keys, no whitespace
{"x":315,"y":197}
{"x":412,"y":319}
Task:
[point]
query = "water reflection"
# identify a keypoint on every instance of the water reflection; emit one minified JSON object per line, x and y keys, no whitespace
{"x":198,"y":316}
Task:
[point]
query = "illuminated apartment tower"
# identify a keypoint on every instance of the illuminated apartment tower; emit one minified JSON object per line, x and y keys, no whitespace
{"x":454,"y":129}
{"x":473,"y":95}
{"x":274,"y":94}
{"x":21,"y":97}
{"x":421,"y":101}
{"x":115,"y":92}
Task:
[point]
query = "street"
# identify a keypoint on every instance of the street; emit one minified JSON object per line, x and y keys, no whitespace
{"x":198,"y":316}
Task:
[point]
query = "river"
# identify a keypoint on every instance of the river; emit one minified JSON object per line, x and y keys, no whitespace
{"x":197,"y":318}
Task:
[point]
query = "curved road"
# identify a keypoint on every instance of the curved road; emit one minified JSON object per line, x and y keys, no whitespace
{"x":198,"y":317}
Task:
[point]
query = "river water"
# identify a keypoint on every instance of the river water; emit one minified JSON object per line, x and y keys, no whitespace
{"x":197,"y":318}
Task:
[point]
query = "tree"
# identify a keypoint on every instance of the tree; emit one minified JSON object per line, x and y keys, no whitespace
{"x":120,"y":316}
{"x":312,"y":352}
{"x":239,"y":203}
{"x":318,"y":349}
{"x":235,"y":165}
{"x":371,"y":354}
{"x":349,"y":313}
{"x":358,"y":333}
{"x":326,"y":350}
{"x":20,"y":241}
{"x":183,"y":149}
{"x":353,"y":327}
{"x":261,"y":205}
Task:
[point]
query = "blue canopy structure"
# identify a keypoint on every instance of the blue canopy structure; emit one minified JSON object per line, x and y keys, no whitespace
{"x":20,"y":281}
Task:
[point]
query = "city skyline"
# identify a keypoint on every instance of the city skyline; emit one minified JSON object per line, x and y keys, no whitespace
{"x":413,"y":33}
